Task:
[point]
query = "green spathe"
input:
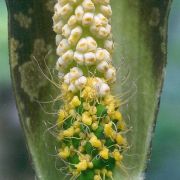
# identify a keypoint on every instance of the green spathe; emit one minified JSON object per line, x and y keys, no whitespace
{"x":140,"y":34}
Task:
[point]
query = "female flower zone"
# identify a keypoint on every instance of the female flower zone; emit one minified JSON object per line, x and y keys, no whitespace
{"x":90,"y":125}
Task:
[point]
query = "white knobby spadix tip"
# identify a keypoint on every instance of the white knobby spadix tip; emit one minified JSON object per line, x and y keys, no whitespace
{"x":84,"y":35}
{"x":70,"y":19}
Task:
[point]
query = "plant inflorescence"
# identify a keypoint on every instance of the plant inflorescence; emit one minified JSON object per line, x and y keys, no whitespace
{"x":90,"y":124}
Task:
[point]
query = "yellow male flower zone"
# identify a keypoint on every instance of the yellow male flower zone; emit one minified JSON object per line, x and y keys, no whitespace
{"x":90,"y":124}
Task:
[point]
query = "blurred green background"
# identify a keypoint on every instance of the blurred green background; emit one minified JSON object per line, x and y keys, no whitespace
{"x":165,"y":159}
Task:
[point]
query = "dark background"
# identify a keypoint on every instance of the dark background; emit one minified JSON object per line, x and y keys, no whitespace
{"x":165,"y":160}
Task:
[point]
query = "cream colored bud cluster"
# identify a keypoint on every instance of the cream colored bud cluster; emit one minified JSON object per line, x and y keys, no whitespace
{"x":73,"y":20}
{"x":101,"y":87}
{"x":75,"y":80}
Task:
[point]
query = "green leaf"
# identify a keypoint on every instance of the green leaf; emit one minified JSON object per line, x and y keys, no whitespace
{"x":140,"y":34}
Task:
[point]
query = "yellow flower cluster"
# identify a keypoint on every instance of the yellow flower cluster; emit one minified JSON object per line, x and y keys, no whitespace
{"x":92,"y":137}
{"x":90,"y":124}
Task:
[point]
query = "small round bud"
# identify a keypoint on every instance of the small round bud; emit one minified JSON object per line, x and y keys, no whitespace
{"x":75,"y":35}
{"x":72,"y":21}
{"x":104,"y":89}
{"x":92,"y":45}
{"x":110,"y":74}
{"x":81,"y":82}
{"x":79,"y":13}
{"x":76,"y":72}
{"x":87,"y":19}
{"x":72,"y":88}
{"x":67,"y":78}
{"x":79,"y":58}
{"x":57,"y":7}
{"x":106,"y":10}
{"x":65,"y":10}
{"x":82,"y":45}
{"x":60,"y":75}
{"x":103,"y":32}
{"x":102,"y":19}
{"x":68,"y":56}
{"x":60,"y":64}
{"x":109,"y":45}
{"x":89,"y":58}
{"x":103,"y":55}
{"x":66,"y":30}
{"x":88,"y":5}
{"x":58,"y":27}
{"x":102,"y":66}
{"x":58,"y":39}
{"x":62,"y":47}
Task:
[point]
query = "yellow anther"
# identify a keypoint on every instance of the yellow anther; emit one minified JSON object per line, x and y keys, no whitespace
{"x":62,"y":115}
{"x":117,"y":156}
{"x":92,"y":110}
{"x":74,"y":172}
{"x":97,"y":177}
{"x":110,"y":109}
{"x":76,"y":124}
{"x":77,"y":130}
{"x":79,"y":12}
{"x":90,"y":165}
{"x":64,"y":87}
{"x":82,"y":45}
{"x":120,"y":140}
{"x":95,"y":142}
{"x":110,"y":75}
{"x":60,"y":136}
{"x":79,"y":118}
{"x":81,"y":148}
{"x":64,"y":153}
{"x":89,"y":58}
{"x":82,"y":166}
{"x":66,"y":9}
{"x":108,"y":131}
{"x":121,"y":125}
{"x":107,"y":119}
{"x":88,"y":93}
{"x":97,"y":171}
{"x":86,"y":106}
{"x":87,"y":18}
{"x":104,"y":153}
{"x":108,"y":99}
{"x":68,"y":132}
{"x":68,"y":96}
{"x":75,"y":102}
{"x":72,"y":20}
{"x":75,"y":35}
{"x":109,"y":174}
{"x":90,"y":81}
{"x":94,"y":126}
{"x":72,"y":113}
{"x":82,"y":135}
{"x":106,"y":10}
{"x":88,"y":5}
{"x":86,"y":118}
{"x":104,"y":171}
{"x":92,"y":44}
{"x":87,"y":157}
{"x":117,"y":116}
{"x":94,"y":118}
